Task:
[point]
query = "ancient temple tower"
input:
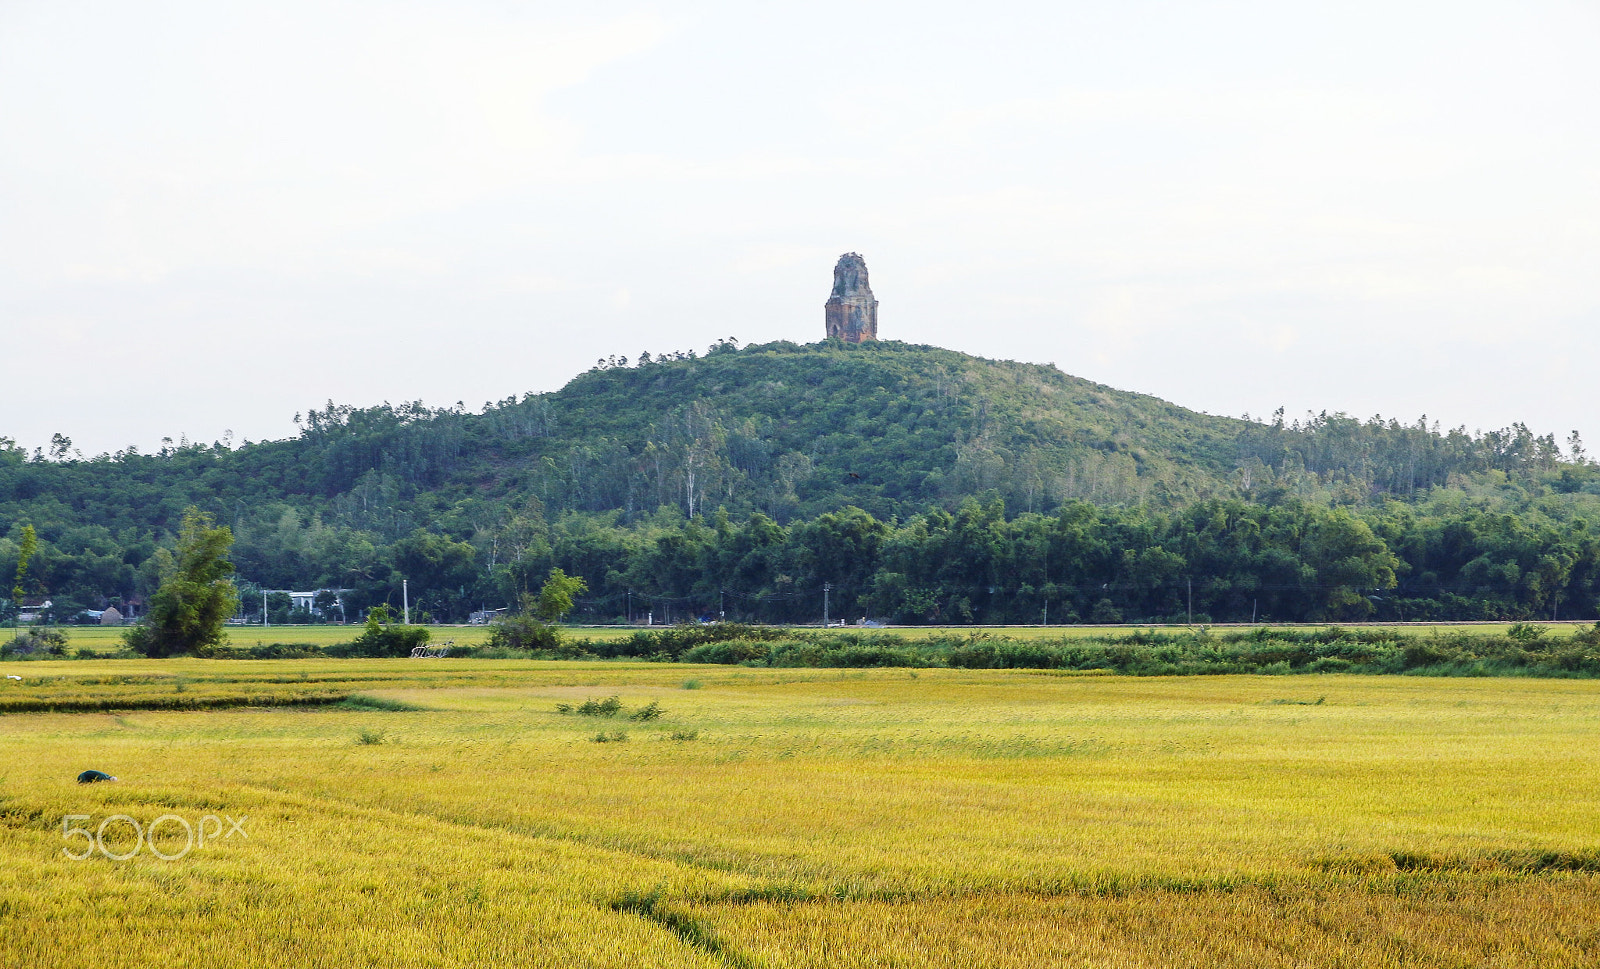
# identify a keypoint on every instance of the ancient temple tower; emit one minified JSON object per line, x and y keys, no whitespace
{"x":851,"y":314}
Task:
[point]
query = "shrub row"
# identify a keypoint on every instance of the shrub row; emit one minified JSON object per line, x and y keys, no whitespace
{"x":1523,"y":650}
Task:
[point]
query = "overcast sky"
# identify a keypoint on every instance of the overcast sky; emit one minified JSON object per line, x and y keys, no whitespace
{"x":214,"y":215}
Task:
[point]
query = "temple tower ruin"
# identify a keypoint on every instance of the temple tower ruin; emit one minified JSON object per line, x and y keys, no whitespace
{"x":851,"y":314}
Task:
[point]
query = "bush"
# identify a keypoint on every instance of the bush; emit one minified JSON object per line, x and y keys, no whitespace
{"x":1588,"y":637}
{"x":593,"y":708}
{"x":851,"y":655}
{"x":380,"y":639}
{"x":36,"y":642}
{"x":564,"y":651}
{"x":728,"y":652}
{"x":1526,"y":633}
{"x":989,"y":656}
{"x":674,"y":641}
{"x":1426,"y":654}
{"x":261,"y":651}
{"x":523,"y":631}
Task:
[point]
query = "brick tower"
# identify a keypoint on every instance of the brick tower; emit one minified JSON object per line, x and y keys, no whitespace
{"x":851,"y":313}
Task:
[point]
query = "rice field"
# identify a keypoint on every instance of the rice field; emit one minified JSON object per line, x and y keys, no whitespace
{"x":466,"y":813}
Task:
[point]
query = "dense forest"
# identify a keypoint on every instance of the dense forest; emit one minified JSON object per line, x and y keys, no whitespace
{"x":899,"y":482}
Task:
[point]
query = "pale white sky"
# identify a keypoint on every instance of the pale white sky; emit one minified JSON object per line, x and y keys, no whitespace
{"x":213,"y":216}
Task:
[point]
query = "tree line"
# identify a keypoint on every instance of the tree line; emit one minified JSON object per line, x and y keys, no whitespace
{"x":1452,"y":557}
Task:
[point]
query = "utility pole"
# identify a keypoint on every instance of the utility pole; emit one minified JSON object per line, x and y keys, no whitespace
{"x":263,"y":608}
{"x":722,"y":612}
{"x":827,"y":587}
{"x":1046,"y":612}
{"x":405,"y":600}
{"x":1191,"y":599}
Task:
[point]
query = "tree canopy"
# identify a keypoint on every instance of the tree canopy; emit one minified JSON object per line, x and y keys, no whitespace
{"x":556,"y":597}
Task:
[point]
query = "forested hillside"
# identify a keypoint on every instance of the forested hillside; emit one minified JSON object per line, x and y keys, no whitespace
{"x":923,"y":484}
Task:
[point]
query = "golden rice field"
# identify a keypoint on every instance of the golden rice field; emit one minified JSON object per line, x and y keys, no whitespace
{"x":450,"y":815}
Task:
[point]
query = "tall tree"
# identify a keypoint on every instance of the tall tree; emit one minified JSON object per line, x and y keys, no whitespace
{"x":195,"y":597}
{"x":555,"y":599}
{"x":25,"y":551}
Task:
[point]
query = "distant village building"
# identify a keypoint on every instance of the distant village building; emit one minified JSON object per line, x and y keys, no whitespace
{"x":111,"y":617}
{"x":851,"y":313}
{"x":333,"y":599}
{"x":319,"y":603}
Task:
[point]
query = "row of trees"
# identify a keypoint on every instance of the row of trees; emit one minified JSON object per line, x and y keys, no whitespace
{"x":1454,"y":556}
{"x":1215,"y":561}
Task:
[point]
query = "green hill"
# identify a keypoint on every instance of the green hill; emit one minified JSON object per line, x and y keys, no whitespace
{"x":888,"y":427}
{"x":795,"y":430}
